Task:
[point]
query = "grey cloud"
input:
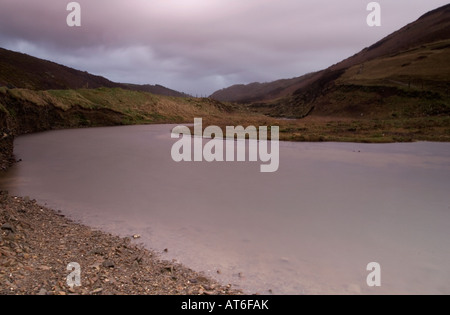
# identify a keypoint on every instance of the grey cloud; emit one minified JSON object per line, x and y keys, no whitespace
{"x":199,"y":46}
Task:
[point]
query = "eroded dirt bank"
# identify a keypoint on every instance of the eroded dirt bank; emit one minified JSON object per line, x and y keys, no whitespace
{"x":18,"y":117}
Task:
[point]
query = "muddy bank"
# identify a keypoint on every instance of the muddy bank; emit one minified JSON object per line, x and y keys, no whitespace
{"x":37,"y":244}
{"x":19,"y":116}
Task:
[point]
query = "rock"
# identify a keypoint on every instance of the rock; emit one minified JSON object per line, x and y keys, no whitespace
{"x":108,"y":264}
{"x":8,"y":227}
{"x":211,"y":287}
{"x":95,"y":266}
{"x":96,"y":291}
{"x":136,"y":236}
{"x":42,"y":292}
{"x":202,"y":279}
{"x":45,"y":268}
{"x":97,"y":251}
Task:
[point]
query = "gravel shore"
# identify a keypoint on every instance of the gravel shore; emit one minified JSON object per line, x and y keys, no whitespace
{"x":37,"y":244}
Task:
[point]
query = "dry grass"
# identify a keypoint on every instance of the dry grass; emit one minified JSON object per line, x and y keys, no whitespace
{"x":146,"y":108}
{"x":425,"y":67}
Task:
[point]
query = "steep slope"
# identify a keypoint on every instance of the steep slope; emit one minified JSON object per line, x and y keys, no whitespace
{"x":405,"y":74}
{"x":19,"y":70}
{"x":432,"y":27}
{"x":24,"y":71}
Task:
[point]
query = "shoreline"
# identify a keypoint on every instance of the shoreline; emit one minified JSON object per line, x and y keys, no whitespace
{"x":38,"y":243}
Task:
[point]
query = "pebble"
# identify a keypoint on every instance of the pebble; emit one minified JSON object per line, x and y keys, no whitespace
{"x":108,"y":264}
{"x":97,"y":291}
{"x":8,"y":227}
{"x":42,"y":292}
{"x":45,"y":268}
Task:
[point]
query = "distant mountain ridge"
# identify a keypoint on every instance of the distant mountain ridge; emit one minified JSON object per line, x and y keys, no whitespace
{"x":256,"y":91}
{"x":18,"y":70}
{"x":155,"y":89}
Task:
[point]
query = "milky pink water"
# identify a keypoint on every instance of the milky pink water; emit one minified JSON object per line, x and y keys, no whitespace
{"x":312,"y":227}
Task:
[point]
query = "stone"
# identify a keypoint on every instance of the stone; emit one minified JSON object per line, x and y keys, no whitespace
{"x":108,"y":264}
{"x":8,"y":227}
{"x":42,"y":292}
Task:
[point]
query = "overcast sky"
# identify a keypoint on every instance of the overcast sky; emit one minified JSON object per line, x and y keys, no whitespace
{"x":199,"y":46}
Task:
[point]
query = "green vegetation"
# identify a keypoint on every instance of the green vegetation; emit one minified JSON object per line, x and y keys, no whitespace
{"x":136,"y":107}
{"x":422,"y":68}
{"x":415,"y":121}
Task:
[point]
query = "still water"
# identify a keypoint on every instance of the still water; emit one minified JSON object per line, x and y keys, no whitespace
{"x":310,"y":228}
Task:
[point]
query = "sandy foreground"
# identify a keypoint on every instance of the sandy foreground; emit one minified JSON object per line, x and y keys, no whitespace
{"x":37,"y":244}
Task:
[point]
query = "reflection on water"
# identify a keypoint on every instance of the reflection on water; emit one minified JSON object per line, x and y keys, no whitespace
{"x":312,"y":227}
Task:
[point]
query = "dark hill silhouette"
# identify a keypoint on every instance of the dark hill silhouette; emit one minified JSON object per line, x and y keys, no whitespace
{"x":24,"y":71}
{"x":19,"y":70}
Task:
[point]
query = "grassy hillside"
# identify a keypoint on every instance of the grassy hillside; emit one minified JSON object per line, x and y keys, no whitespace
{"x":133,"y":106}
{"x":432,"y":27}
{"x":426,"y":67}
{"x":408,"y":91}
{"x":411,"y":84}
{"x":399,"y":97}
{"x":405,"y":75}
